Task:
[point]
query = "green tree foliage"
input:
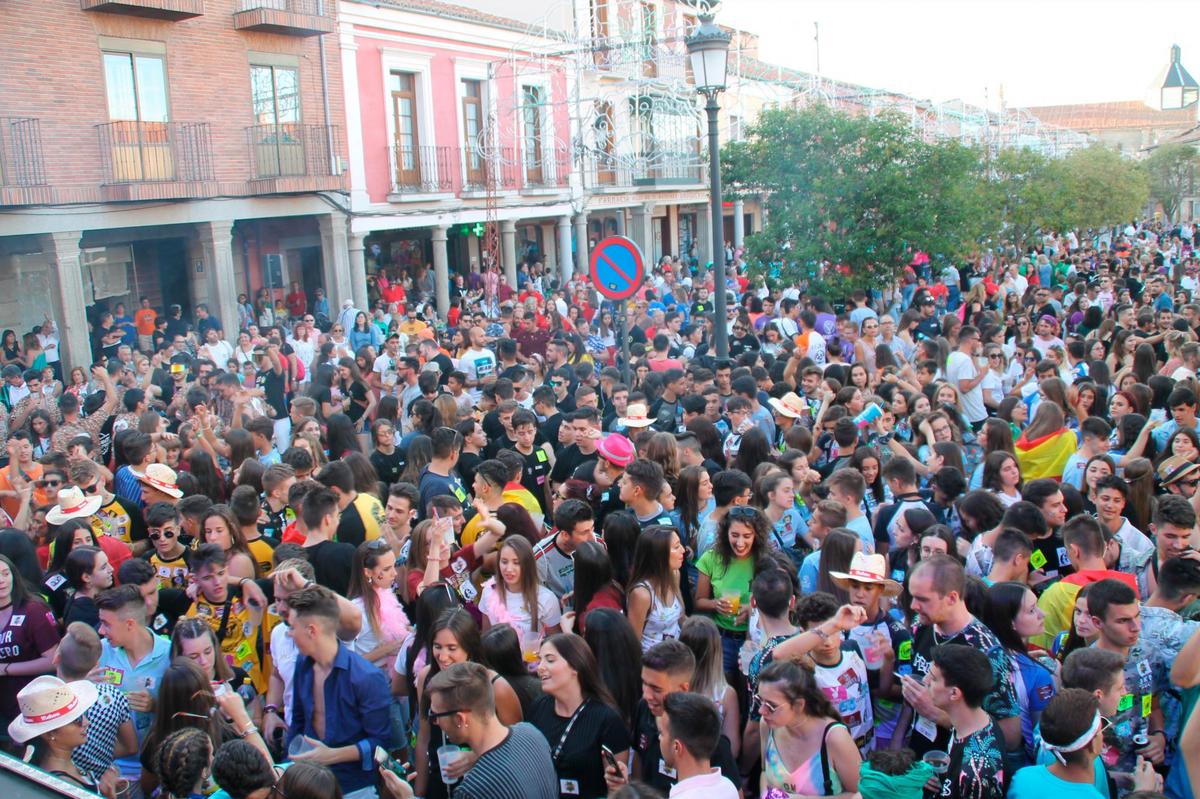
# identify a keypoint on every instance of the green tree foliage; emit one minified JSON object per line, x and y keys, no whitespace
{"x":1170,"y":169}
{"x":848,"y":198}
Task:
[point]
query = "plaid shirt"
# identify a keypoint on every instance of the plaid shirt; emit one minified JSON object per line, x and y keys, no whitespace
{"x":104,"y":720}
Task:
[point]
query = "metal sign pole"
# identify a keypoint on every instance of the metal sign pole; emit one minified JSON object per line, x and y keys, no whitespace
{"x":626,"y":373}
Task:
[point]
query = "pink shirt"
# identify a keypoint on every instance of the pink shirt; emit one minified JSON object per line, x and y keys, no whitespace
{"x":705,"y":786}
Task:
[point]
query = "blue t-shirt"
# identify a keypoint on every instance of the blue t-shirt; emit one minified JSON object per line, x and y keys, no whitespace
{"x":1034,"y":686}
{"x":1036,"y":782}
{"x":790,"y":526}
{"x":810,"y":572}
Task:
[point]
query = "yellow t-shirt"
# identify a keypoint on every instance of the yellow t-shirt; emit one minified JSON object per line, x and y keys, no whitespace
{"x":171,"y":573}
{"x":1058,"y":603}
{"x":261,"y":552}
{"x":113,"y":520}
{"x":371,"y":513}
{"x":245,"y":644}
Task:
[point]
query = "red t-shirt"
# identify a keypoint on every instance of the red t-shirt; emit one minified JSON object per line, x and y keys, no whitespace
{"x":30,"y":631}
{"x":457,"y":575}
{"x":297,"y":303}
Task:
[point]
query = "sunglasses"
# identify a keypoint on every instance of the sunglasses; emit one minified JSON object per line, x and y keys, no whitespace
{"x":766,"y":705}
{"x":47,"y":483}
{"x":1190,"y":483}
{"x":167,"y":534}
{"x":444,"y":714}
{"x":743,"y":512}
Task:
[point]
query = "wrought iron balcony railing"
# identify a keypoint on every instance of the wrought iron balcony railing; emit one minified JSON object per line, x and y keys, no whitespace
{"x":153,"y":152}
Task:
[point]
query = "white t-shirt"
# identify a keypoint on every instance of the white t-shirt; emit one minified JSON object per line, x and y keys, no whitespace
{"x":284,"y":655}
{"x":479,"y":365}
{"x":515,"y":614}
{"x":961,"y":366}
{"x":385,"y":367}
{"x":220,"y":353}
{"x":816,"y":348}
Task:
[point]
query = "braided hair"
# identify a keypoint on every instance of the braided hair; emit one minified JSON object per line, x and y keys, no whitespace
{"x":182,"y":760}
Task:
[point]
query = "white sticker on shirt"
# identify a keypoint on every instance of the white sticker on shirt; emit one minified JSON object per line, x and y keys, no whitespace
{"x":926,"y":728}
{"x":666,"y":770}
{"x":56,"y":582}
{"x":17,"y":621}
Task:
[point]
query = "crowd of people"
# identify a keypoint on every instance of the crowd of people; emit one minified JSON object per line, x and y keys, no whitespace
{"x":938,"y":541}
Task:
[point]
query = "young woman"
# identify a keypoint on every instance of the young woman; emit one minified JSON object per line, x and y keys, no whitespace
{"x":357,"y":398}
{"x":385,"y":627}
{"x":655,"y":601}
{"x":1012,"y":613}
{"x":726,"y":571}
{"x":516,"y":596}
{"x":88,"y":572}
{"x":364,"y":334}
{"x":195,"y":640}
{"x":693,"y":502}
{"x":500,"y":650}
{"x":594,"y":585}
{"x":341,"y":436}
{"x":1097,"y":467}
{"x":576,"y":714}
{"x":1002,"y":476}
{"x":806,"y":749}
{"x":30,"y":644}
{"x":10,"y":350}
{"x":218,"y":526}
{"x":455,"y":639}
{"x":1083,"y":631}
{"x":867,"y":461}
{"x":1045,"y":446}
{"x":701,"y":635}
{"x":619,"y":659}
{"x":58,"y":732}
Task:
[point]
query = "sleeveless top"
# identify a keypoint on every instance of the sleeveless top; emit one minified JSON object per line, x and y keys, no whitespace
{"x":662,"y":621}
{"x":807,"y":779}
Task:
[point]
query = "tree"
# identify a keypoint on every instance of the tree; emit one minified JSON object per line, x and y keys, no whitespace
{"x":1171,"y":170}
{"x":1021,"y":193}
{"x":1096,"y":187}
{"x":848,"y":197}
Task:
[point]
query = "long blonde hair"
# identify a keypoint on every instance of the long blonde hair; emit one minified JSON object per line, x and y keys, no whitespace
{"x":1048,"y":419}
{"x":529,"y":577}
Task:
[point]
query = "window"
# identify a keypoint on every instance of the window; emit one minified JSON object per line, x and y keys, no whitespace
{"x":472,"y":107}
{"x":277,"y":135}
{"x":606,"y":162}
{"x":600,"y":33}
{"x":532,"y":100}
{"x":403,"y":88}
{"x":736,"y":127}
{"x":137,"y":142}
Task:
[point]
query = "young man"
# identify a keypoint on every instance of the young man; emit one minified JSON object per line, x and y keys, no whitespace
{"x":170,"y":557}
{"x":1116,"y":615}
{"x":1010,"y":557}
{"x":360,"y":514}
{"x":828,"y":515}
{"x":667,"y":668}
{"x":133,"y":659}
{"x":640,"y":488}
{"x":847,"y":486}
{"x":575,"y":524}
{"x":331,"y":559}
{"x":1182,"y":402}
{"x":1112,"y":493}
{"x":539,"y":460}
{"x":1095,"y":432}
{"x":1174,"y":529}
{"x":244,"y":505}
{"x":900,"y":476}
{"x":439,"y":477}
{"x":960,"y":679}
{"x":937,"y":588}
{"x":275,"y":512}
{"x":242,"y":627}
{"x":346,"y":731}
{"x":965,"y":375}
{"x":586,"y":423}
{"x":688,"y":731}
{"x":477,"y":362}
{"x":885,"y":643}
{"x":109,"y":721}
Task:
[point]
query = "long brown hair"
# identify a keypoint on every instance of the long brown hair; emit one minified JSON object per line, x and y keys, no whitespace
{"x":579,"y":657}
{"x":1048,"y":419}
{"x":652,"y":563}
{"x":367,"y":556}
{"x":236,"y":537}
{"x":529,"y":576}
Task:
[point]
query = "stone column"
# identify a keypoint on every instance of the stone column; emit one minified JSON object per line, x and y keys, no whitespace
{"x":441,"y":270}
{"x":640,"y":233}
{"x":508,"y":251}
{"x":335,"y":262}
{"x":66,"y":291}
{"x":564,"y":248}
{"x":216,"y":247}
{"x":739,"y":229}
{"x":704,"y":235}
{"x":620,"y":221}
{"x":581,"y":244}
{"x":358,"y":269}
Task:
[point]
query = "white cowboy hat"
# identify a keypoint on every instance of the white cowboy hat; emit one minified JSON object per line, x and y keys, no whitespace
{"x":161,"y":477}
{"x":636,"y":416}
{"x":790,"y":405}
{"x":48,"y":703}
{"x":73,"y":504}
{"x":866,"y":568}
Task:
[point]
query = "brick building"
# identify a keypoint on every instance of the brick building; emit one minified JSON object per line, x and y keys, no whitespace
{"x":188,"y":151}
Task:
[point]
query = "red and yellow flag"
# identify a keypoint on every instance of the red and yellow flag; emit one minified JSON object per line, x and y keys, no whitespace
{"x":1045,"y":456}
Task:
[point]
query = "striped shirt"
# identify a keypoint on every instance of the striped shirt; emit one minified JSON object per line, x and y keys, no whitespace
{"x":126,"y":484}
{"x":519,"y":768}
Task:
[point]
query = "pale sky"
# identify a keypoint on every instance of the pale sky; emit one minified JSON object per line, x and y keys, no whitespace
{"x":1042,"y":52}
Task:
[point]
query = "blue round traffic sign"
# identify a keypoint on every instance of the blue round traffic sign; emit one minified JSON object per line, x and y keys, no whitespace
{"x":617,"y":269}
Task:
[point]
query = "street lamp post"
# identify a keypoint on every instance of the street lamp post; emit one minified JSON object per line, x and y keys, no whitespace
{"x":708,"y":48}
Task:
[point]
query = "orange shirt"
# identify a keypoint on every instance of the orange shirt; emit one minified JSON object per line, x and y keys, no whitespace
{"x":144,"y":320}
{"x":11,"y":505}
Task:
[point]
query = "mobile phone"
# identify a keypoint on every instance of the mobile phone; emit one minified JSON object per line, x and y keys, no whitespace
{"x":219,"y":689}
{"x":610,"y":760}
{"x":385,"y":761}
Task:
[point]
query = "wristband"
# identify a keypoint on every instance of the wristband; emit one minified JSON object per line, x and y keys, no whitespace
{"x":274,"y":709}
{"x":248,"y":731}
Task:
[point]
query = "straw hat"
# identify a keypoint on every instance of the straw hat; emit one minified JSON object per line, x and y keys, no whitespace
{"x":48,"y":703}
{"x":73,"y":504}
{"x":866,"y":568}
{"x":1170,"y":470}
{"x":636,"y":416}
{"x":790,"y":405}
{"x":161,"y":477}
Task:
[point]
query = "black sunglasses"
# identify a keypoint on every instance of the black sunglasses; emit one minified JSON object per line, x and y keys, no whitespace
{"x":742,"y":512}
{"x":167,"y":534}
{"x":444,"y":714}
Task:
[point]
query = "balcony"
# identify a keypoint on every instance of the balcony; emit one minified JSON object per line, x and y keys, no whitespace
{"x":422,"y":170}
{"x":172,"y":10}
{"x":291,"y":157}
{"x":498,"y":168}
{"x":664,"y":169}
{"x":286,"y":17}
{"x":547,"y":169}
{"x":22,"y":171}
{"x":155,"y":160}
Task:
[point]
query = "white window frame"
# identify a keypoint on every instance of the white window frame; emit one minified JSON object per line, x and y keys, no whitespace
{"x":549,"y":161}
{"x":470,"y":69}
{"x":421,"y":66}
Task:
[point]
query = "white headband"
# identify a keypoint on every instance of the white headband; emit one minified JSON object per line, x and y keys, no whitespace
{"x":1083,"y":740}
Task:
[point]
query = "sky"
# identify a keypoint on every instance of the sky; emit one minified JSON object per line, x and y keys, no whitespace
{"x":1042,"y":52}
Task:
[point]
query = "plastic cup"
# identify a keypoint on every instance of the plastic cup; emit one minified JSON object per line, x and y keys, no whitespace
{"x":734,"y":598}
{"x":873,"y":655}
{"x":300,"y":745}
{"x":938,"y":759}
{"x":122,"y":788}
{"x":446,"y":755}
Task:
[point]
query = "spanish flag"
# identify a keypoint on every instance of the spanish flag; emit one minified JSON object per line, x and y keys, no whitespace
{"x":1045,"y":456}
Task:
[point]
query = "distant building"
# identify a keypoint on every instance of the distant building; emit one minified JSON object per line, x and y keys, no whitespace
{"x":1127,"y":126}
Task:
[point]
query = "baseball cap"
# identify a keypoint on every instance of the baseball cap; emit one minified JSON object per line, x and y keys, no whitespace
{"x":617,"y":450}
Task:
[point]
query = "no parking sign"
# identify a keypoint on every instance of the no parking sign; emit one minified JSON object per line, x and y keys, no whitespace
{"x":617,"y":269}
